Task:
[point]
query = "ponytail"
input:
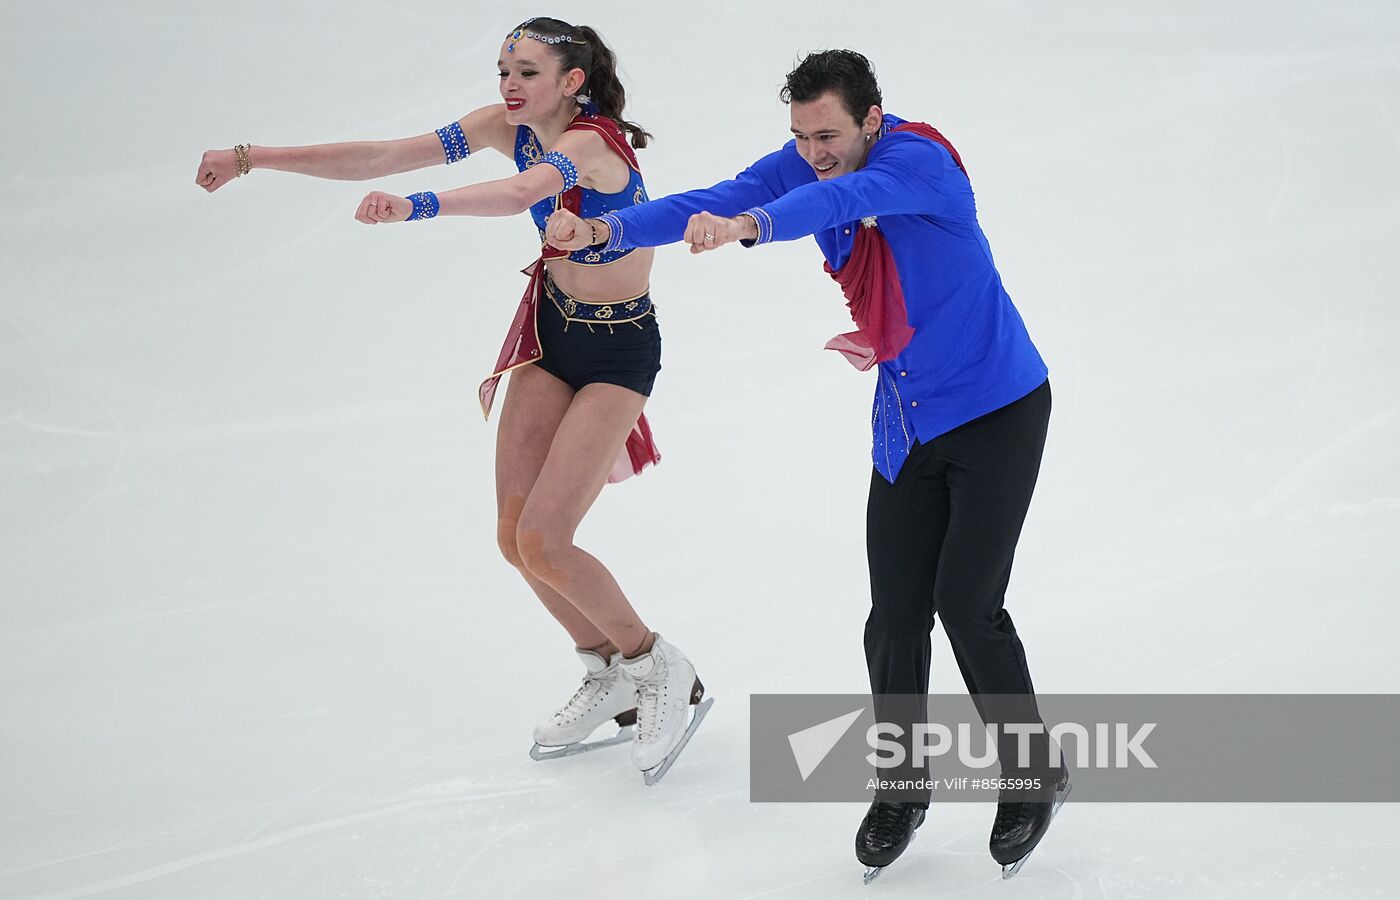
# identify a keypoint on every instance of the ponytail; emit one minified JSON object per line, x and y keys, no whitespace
{"x":606,"y":90}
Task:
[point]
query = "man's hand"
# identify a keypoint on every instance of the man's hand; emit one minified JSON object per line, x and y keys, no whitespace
{"x":567,"y":231}
{"x":705,"y":231}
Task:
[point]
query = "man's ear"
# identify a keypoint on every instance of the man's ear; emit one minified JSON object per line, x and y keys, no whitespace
{"x":873,"y":120}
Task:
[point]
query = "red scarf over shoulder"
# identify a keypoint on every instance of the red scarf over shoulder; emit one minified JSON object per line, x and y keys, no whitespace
{"x":870,"y":282}
{"x":522,"y":345}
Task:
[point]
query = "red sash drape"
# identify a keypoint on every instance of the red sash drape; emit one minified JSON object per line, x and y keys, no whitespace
{"x":870,"y":282}
{"x":522,"y":344}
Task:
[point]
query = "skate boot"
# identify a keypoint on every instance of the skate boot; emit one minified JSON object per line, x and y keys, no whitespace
{"x":666,"y":690}
{"x":884,"y":834}
{"x":606,"y":693}
{"x":1020,"y":824}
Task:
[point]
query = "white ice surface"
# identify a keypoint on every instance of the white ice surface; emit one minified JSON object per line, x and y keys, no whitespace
{"x":255,"y":637}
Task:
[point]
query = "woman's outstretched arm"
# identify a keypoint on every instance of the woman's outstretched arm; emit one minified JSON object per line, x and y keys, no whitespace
{"x":573,"y":157}
{"x":364,"y":160}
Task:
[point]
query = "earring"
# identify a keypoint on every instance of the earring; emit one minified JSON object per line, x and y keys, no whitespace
{"x":867,"y":137}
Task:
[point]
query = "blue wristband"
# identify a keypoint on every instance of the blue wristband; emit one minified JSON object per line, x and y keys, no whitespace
{"x":425,"y":206}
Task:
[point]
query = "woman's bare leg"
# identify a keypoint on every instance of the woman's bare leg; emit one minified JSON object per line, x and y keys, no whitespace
{"x":535,"y":405}
{"x":586,"y":444}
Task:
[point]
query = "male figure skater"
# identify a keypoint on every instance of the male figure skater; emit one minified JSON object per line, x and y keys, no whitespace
{"x":962,"y":402}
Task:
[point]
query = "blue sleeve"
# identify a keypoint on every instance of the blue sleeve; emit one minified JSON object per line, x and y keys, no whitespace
{"x":663,"y":221}
{"x":910,"y":176}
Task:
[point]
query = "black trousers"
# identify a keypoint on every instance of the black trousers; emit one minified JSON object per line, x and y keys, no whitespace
{"x":940,"y":543}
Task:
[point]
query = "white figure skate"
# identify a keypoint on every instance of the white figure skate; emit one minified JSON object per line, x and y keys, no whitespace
{"x":666,"y":690}
{"x":606,"y":693}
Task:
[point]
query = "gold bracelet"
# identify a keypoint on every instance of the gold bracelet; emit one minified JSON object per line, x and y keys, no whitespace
{"x":242,"y":163}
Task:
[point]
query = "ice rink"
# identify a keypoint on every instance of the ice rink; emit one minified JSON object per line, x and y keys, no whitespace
{"x":256,"y":639}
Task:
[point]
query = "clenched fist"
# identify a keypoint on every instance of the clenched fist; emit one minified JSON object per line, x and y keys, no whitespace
{"x":567,"y":231}
{"x":706,"y":231}
{"x":216,"y":169}
{"x":381,"y":207}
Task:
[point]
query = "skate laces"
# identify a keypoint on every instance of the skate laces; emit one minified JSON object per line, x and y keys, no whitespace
{"x":649,"y":703}
{"x":578,"y":703}
{"x":1011,"y":813}
{"x":887,"y":821}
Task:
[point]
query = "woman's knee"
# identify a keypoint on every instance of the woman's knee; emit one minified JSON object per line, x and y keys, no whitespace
{"x":543,"y":549}
{"x":508,"y":543}
{"x":508,"y":527}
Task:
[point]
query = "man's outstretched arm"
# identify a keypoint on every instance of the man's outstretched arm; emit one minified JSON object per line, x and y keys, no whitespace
{"x":664,"y":221}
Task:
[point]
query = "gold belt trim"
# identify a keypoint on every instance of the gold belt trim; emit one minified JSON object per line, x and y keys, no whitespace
{"x":618,"y":312}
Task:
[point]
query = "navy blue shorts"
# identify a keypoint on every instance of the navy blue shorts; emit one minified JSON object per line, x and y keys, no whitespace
{"x":589,"y":343}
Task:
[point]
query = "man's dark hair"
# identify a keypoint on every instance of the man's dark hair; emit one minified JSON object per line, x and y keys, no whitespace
{"x":844,"y":71}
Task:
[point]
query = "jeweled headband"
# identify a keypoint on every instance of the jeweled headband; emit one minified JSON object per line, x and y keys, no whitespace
{"x":520,"y":34}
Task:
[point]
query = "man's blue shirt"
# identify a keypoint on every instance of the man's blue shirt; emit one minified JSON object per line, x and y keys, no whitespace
{"x":970,"y":353}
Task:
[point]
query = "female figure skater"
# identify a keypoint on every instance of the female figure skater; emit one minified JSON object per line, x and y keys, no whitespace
{"x":583,"y":353}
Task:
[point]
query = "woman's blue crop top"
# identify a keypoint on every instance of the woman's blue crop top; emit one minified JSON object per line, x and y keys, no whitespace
{"x":528,"y":152}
